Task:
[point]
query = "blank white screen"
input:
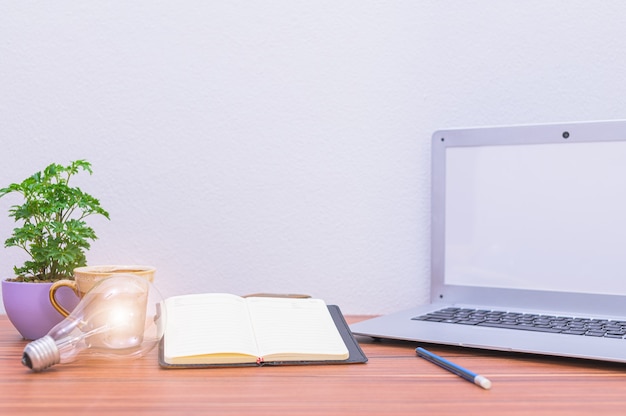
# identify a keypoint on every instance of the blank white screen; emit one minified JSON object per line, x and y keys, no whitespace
{"x":546,"y":216}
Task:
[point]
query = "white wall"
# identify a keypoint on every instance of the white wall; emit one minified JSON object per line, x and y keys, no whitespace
{"x":284,"y":145}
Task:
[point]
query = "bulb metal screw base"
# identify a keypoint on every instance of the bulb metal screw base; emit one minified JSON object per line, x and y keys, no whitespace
{"x":41,"y":354}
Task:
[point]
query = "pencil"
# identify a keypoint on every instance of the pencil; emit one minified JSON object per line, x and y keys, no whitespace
{"x":454,"y":368}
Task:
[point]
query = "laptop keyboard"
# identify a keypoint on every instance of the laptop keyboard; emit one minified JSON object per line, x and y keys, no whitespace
{"x":528,"y":322}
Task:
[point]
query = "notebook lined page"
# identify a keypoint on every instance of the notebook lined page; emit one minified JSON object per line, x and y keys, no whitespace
{"x":202,"y":324}
{"x":299,"y":326}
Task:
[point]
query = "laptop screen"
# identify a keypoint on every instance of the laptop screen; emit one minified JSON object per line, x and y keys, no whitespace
{"x":548,"y":217}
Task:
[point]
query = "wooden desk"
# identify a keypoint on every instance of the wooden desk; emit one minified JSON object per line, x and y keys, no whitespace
{"x":393,"y":382}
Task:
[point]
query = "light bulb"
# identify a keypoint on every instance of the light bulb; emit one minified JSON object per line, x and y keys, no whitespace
{"x":120,"y":317}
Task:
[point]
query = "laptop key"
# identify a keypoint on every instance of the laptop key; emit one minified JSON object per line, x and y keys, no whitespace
{"x":574,"y":332}
{"x":523,"y":327}
{"x":594,"y":333}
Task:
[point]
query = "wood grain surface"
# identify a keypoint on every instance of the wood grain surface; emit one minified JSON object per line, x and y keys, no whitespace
{"x":393,"y":382}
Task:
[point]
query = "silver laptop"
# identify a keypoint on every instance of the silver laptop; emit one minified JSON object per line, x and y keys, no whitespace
{"x":528,"y":242}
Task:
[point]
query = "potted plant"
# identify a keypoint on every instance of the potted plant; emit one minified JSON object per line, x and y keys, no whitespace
{"x":53,"y":233}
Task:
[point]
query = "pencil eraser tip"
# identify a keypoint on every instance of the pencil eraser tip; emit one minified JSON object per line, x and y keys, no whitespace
{"x":483,"y":382}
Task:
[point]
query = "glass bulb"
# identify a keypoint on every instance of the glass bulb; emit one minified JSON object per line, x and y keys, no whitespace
{"x":120,"y":317}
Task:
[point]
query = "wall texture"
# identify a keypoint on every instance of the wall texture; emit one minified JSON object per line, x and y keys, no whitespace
{"x":284,"y":146}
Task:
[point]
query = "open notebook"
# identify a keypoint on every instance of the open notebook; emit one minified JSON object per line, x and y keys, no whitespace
{"x":528,"y":242}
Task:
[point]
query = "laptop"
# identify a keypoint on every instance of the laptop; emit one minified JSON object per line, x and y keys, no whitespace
{"x":528,"y":243}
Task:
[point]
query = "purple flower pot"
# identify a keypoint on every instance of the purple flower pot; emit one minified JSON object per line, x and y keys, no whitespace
{"x":29,"y":309}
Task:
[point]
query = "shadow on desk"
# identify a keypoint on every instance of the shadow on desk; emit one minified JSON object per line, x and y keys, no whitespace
{"x":452,"y":351}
